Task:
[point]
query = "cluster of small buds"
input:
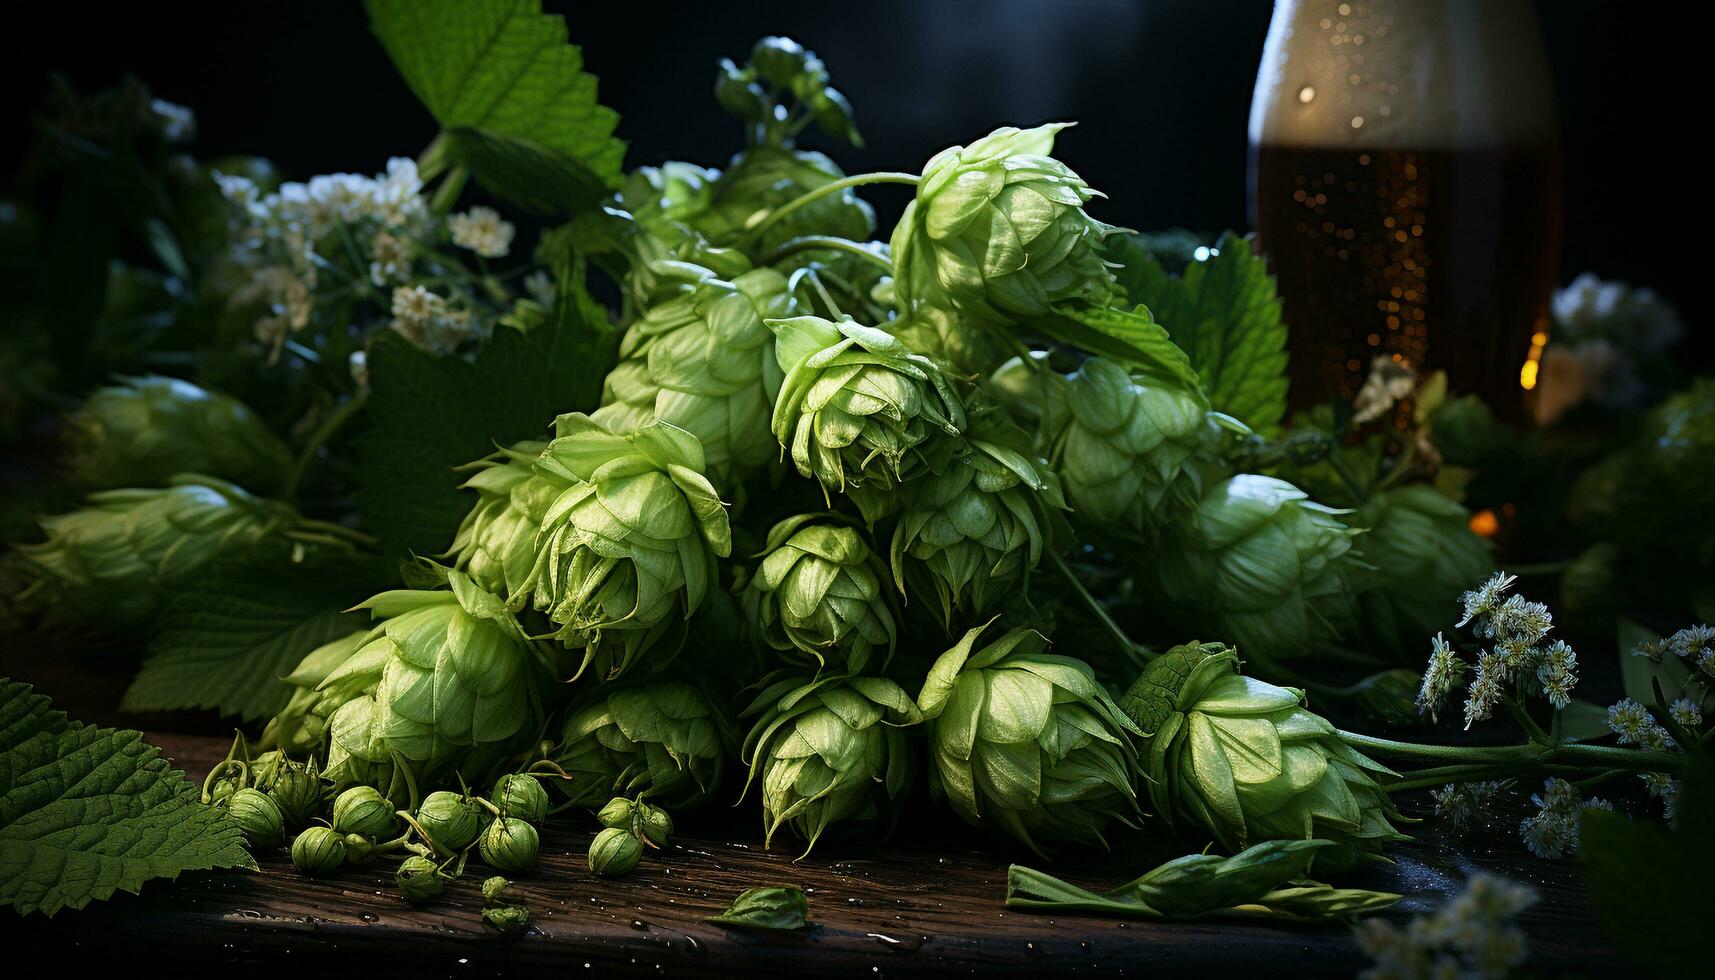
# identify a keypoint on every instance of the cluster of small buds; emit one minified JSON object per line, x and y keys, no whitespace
{"x":1695,"y":644}
{"x":1468,"y":806}
{"x":1552,"y":832}
{"x":1475,"y":935}
{"x":1634,"y":725}
{"x":427,"y":321}
{"x":1516,"y":626}
{"x":1444,"y":675}
{"x":389,"y":259}
{"x":482,"y":231}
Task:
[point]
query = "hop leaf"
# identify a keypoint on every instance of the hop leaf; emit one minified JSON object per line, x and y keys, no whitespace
{"x":770,"y":907}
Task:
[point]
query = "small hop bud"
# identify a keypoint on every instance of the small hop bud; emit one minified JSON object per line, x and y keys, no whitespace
{"x":420,"y":879}
{"x":258,"y":817}
{"x":520,"y":795}
{"x":615,"y":852}
{"x":494,"y":889}
{"x":297,"y":791}
{"x":359,"y":849}
{"x":508,"y":919}
{"x":617,"y":813}
{"x":364,"y":811}
{"x":451,"y":822}
{"x":509,"y":844}
{"x":646,"y":821}
{"x":318,"y":852}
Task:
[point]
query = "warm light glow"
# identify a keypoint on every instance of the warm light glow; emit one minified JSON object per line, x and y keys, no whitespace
{"x":1485,"y":524}
{"x":1533,"y":360}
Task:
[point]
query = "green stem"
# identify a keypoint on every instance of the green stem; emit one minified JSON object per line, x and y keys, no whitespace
{"x":1531,"y":755}
{"x":833,"y":187}
{"x":329,"y":426}
{"x":1121,"y":640}
{"x":806,"y":243}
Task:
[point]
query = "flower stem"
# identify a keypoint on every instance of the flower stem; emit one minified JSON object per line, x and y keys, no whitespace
{"x":833,"y":187}
{"x":1124,"y":642}
{"x":807,"y":242}
{"x":319,"y":438}
{"x":1528,"y":756}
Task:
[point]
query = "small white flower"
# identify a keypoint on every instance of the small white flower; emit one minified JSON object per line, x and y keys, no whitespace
{"x":358,"y":364}
{"x":1443,"y":675}
{"x":1472,"y":937}
{"x":1517,"y":621}
{"x":390,"y":259}
{"x":1629,"y":719}
{"x":1486,"y":597}
{"x":1558,"y":673}
{"x":1486,"y":687}
{"x":1685,"y":712}
{"x":424,"y":319}
{"x":483,"y":231}
{"x":539,"y":286}
{"x":178,"y":124}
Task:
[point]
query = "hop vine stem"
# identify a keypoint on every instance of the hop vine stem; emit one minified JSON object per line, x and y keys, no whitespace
{"x":1489,"y":761}
{"x":846,"y":183}
{"x":809,"y":242}
{"x":1121,"y":640}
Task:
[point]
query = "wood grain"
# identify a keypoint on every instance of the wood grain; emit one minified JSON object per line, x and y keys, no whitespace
{"x":928,"y":905}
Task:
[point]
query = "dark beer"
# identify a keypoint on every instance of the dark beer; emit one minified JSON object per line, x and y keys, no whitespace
{"x":1444,"y":258}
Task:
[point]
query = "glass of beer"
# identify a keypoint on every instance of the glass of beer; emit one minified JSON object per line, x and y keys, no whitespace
{"x":1405,"y":187}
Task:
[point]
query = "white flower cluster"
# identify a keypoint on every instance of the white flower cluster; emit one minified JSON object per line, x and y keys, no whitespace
{"x":1552,"y":831}
{"x":1468,"y":806}
{"x":323,"y":204}
{"x":483,"y":231}
{"x":427,"y":321}
{"x":1476,"y":935}
{"x":1515,"y":627}
{"x":1604,"y":330}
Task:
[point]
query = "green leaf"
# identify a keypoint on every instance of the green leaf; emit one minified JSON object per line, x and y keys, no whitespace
{"x":771,"y":907}
{"x":226,"y":644}
{"x":513,"y":101}
{"x":1129,"y":336}
{"x":86,"y":812}
{"x":1225,"y":313}
{"x":431,"y":414}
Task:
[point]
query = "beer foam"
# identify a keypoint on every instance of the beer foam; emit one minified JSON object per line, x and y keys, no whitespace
{"x":1425,"y":74}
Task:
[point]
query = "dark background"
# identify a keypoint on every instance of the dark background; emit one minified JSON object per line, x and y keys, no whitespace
{"x":1161,"y":88}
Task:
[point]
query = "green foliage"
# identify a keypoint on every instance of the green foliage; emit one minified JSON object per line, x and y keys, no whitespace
{"x":227,"y":642}
{"x":86,"y":812}
{"x":770,"y":907}
{"x":1226,"y":314}
{"x":511,"y":95}
{"x":1132,"y":337}
{"x":431,"y":414}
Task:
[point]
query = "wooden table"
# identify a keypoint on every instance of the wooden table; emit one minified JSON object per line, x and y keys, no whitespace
{"x":915,"y":906}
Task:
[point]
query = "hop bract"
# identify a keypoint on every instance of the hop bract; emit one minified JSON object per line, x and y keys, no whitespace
{"x":1127,"y":445}
{"x":763,"y":178}
{"x":1027,"y":742}
{"x":704,"y":361}
{"x":857,"y":407}
{"x":1421,"y":554}
{"x":496,"y":542}
{"x":146,"y":430}
{"x":1259,"y":563}
{"x":627,"y":551}
{"x":445,"y":678}
{"x":121,"y":553}
{"x":830,"y":751}
{"x":1248,"y":762}
{"x":998,"y":231}
{"x":664,"y":739}
{"x":820,"y":597}
{"x":301,"y":727}
{"x":974,"y":529}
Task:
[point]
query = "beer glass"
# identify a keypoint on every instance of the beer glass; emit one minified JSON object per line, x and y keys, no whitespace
{"x":1405,"y":187}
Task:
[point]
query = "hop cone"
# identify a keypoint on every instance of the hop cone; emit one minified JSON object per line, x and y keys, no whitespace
{"x":705,"y":362}
{"x":1127,"y":450}
{"x":1247,"y":762}
{"x":830,"y":751}
{"x":300,"y":729}
{"x":445,"y":680}
{"x":627,"y":551}
{"x":1026,"y":741}
{"x":973,"y":531}
{"x":857,"y":408}
{"x":819,"y":597}
{"x":998,"y":229}
{"x":944,"y":336}
{"x":664,"y":739}
{"x":496,"y":542}
{"x":763,"y":178}
{"x":1258,"y":564}
{"x":145,"y":431}
{"x":1421,"y":555}
{"x":120,"y":555}
{"x":663,"y":199}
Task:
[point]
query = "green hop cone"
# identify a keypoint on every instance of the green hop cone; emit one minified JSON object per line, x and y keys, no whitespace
{"x":146,"y":430}
{"x":301,"y":727}
{"x":520,"y":795}
{"x":1027,"y":742}
{"x":450,"y":822}
{"x":318,"y":852}
{"x":362,"y":810}
{"x":296,"y":788}
{"x":1129,"y":446}
{"x":858,"y":408}
{"x":998,"y":232}
{"x":627,"y":552}
{"x":496,"y":541}
{"x":943,"y":335}
{"x":763,"y":178}
{"x":508,"y":920}
{"x":258,"y":817}
{"x":665,"y":739}
{"x":445,"y":680}
{"x":973,"y":531}
{"x":615,"y":852}
{"x":419,"y":879}
{"x":118,"y":558}
{"x":1258,"y":564}
{"x":1421,"y":556}
{"x":820,"y":597}
{"x":704,"y":361}
{"x":830,"y":751}
{"x":1247,"y":762}
{"x":509,"y":844}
